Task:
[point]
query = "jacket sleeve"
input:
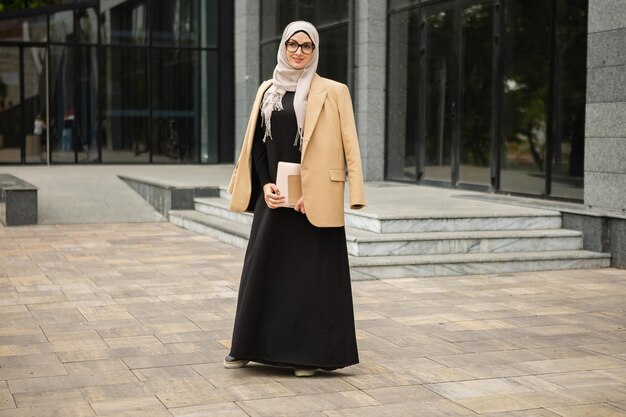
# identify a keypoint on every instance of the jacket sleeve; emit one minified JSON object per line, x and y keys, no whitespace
{"x":351,"y":149}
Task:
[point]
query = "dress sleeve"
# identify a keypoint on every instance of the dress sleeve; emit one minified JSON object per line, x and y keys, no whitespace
{"x":259,"y":154}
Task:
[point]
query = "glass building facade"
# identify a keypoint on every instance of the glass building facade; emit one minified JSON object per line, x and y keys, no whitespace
{"x":117,"y":81}
{"x":488,"y":94}
{"x":479,"y":94}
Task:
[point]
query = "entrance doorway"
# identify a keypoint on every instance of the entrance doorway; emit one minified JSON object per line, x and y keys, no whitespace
{"x":457,"y":140}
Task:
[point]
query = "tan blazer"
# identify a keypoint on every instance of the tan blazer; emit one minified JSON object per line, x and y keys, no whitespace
{"x":330,"y":144}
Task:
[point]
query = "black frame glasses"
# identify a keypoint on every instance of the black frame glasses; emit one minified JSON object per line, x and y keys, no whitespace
{"x":299,"y":45}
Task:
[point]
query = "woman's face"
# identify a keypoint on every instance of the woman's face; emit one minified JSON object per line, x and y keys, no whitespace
{"x":298,"y":59}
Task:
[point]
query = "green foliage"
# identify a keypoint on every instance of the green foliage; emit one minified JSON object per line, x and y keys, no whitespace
{"x":25,"y":4}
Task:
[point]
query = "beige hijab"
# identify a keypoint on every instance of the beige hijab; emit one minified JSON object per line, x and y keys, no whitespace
{"x":287,"y":78}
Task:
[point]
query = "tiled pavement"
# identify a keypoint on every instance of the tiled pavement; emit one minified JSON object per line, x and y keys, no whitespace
{"x":134,"y":320}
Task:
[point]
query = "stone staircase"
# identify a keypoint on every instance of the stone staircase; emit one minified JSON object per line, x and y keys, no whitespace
{"x":402,"y":246}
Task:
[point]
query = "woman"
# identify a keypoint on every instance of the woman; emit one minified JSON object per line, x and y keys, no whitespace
{"x":295,"y":302}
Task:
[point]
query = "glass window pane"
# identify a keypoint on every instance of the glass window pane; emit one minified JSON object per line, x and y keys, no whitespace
{"x":402,"y":95}
{"x":395,"y":4}
{"x":287,"y":13}
{"x":62,"y":111}
{"x":209,"y":107}
{"x":62,"y":26}
{"x":570,"y":90}
{"x":87,"y":21}
{"x":268,"y":59}
{"x":10,"y":137}
{"x":28,"y":29}
{"x":333,"y":62}
{"x":124,"y":104}
{"x":476,"y":94}
{"x":86,"y":114}
{"x":34,"y":105}
{"x":306,"y":10}
{"x":209,"y":25}
{"x":175,"y":106}
{"x":174,"y":22}
{"x":526,"y":75}
{"x":269,"y":20}
{"x":439,"y":86}
{"x":333,"y":11}
{"x":123,"y":22}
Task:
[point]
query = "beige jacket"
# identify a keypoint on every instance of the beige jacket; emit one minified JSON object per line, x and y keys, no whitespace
{"x":329,"y":139}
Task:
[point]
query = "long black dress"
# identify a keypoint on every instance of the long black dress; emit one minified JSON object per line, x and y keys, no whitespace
{"x":295,"y":300}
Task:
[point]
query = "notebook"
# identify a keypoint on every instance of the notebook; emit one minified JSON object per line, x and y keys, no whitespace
{"x":289,"y":182}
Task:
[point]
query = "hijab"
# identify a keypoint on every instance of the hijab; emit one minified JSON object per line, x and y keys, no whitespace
{"x":286,"y":78}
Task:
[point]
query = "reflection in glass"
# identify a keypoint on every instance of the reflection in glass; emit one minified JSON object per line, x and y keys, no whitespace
{"x":570,"y":90}
{"x":27,"y":29}
{"x":124,"y":92}
{"x":175,"y":22}
{"x":62,"y":110}
{"x":333,"y":62}
{"x":209,"y":94}
{"x":268,"y":59}
{"x":123,"y":23}
{"x":440,"y":107}
{"x":287,"y":12}
{"x":87,"y":25}
{"x":209,"y":25}
{"x":34,"y":105}
{"x":269,"y":20}
{"x":526,"y":75}
{"x":175,"y":112}
{"x":62,"y":26}
{"x":476,"y":94}
{"x":333,"y":11}
{"x":10,"y":140}
{"x":402,"y":95}
{"x":86,"y":117}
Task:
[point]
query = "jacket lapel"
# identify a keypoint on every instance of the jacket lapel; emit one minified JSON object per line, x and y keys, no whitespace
{"x":317,"y":95}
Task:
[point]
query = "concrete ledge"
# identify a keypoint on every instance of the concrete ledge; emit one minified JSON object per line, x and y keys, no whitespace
{"x":165,"y":196}
{"x":601,"y":234}
{"x":18,"y":200}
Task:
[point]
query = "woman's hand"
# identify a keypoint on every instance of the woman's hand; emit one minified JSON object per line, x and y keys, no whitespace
{"x":300,"y":205}
{"x":272,"y":196}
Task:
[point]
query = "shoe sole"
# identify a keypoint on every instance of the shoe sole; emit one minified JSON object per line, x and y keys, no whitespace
{"x":235,"y":364}
{"x":304,"y":372}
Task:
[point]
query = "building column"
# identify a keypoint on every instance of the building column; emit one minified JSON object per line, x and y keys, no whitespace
{"x":247,"y":65}
{"x":370,"y":57}
{"x":605,"y":130}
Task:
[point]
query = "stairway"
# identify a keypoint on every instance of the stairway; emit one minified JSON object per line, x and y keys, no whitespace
{"x":394,"y":247}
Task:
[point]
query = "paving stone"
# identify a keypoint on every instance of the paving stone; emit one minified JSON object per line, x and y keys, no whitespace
{"x":134,"y":320}
{"x":589,"y":410}
{"x":287,"y":406}
{"x":227,"y":409}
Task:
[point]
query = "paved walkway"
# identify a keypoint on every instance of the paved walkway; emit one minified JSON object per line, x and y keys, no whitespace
{"x":134,"y":320}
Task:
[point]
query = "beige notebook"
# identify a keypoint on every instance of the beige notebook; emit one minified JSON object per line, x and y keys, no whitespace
{"x":289,"y":182}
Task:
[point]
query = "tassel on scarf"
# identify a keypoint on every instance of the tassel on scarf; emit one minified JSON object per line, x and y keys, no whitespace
{"x":275,"y":102}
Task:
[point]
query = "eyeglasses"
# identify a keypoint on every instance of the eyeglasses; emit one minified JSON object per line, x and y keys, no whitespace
{"x":307,"y":48}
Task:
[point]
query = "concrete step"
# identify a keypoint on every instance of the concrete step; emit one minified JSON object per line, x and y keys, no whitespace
{"x":533,"y":220}
{"x":374,"y":267}
{"x":218,"y":207}
{"x":362,"y":243}
{"x":227,"y":231}
{"x":381,"y":267}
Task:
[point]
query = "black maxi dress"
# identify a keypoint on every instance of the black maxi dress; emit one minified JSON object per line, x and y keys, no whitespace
{"x":294,"y":306}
